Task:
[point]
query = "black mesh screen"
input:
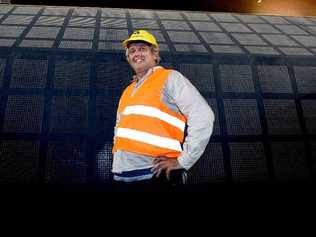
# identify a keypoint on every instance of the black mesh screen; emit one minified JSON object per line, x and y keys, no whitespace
{"x":62,"y":73}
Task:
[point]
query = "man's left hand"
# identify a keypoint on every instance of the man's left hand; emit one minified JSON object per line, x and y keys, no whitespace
{"x":165,"y":164}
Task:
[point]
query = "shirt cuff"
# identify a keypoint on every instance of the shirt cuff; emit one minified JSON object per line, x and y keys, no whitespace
{"x":185,"y":161}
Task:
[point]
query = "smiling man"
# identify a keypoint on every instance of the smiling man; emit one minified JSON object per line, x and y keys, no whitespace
{"x":163,"y":123}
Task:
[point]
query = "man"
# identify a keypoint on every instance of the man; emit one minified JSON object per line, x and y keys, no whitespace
{"x":150,"y":147}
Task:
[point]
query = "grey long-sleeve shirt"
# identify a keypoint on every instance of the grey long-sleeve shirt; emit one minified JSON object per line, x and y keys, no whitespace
{"x":180,"y":96}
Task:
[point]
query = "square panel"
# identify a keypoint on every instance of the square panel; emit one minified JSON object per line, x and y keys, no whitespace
{"x":309,"y":111}
{"x":113,"y":23}
{"x":2,"y":68}
{"x":19,"y":161}
{"x":5,"y":9}
{"x":249,"y":39}
{"x":79,"y":33}
{"x":29,"y":73}
{"x":242,"y":117}
{"x":65,"y":162}
{"x":175,"y":25}
{"x":210,"y":167}
{"x":196,"y":16}
{"x":275,"y":19}
{"x":169,"y":15}
{"x":248,"y":162}
{"x":112,"y":34}
{"x":305,"y":79}
{"x":82,"y":11}
{"x":138,"y":13}
{"x":216,"y":127}
{"x":295,"y":51}
{"x":229,"y":49}
{"x":7,"y":42}
{"x":236,"y":78}
{"x":82,"y":21}
{"x":216,"y":38}
{"x":281,"y":40}
{"x":291,"y":29}
{"x":26,"y":10}
{"x":110,"y":12}
{"x":56,"y":11}
{"x":274,"y":79}
{"x":205,"y":26}
{"x":249,"y":19}
{"x":289,"y":161}
{"x":43,"y":32}
{"x":69,"y":114}
{"x":201,"y":76}
{"x":24,"y":114}
{"x":72,"y":74}
{"x":50,"y":21}
{"x":18,"y":20}
{"x":235,"y":27}
{"x":262,"y":50}
{"x":307,"y":41}
{"x":104,"y":161}
{"x":113,"y":76}
{"x":299,"y":20}
{"x":263,"y":28}
{"x":106,"y":109}
{"x":183,"y":37}
{"x":70,"y":44}
{"x":144,"y":24}
{"x":224,"y":17}
{"x":11,"y":31}
{"x":158,"y":35}
{"x":107,"y":45}
{"x":281,"y":117}
{"x":37,"y":43}
{"x":194,"y":48}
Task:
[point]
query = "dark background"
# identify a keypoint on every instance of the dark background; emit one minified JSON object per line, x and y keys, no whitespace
{"x":279,"y":7}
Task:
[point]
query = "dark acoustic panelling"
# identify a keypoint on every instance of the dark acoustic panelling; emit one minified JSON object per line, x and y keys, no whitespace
{"x":62,"y":72}
{"x":19,"y":161}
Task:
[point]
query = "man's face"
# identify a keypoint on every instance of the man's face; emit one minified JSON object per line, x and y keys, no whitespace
{"x":141,"y":57}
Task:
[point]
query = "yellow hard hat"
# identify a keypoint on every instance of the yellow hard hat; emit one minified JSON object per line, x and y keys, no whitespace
{"x":141,"y":35}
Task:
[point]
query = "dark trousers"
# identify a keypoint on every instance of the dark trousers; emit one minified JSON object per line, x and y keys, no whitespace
{"x":160,"y":184}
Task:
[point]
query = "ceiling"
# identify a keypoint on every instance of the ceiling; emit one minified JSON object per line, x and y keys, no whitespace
{"x":266,"y":7}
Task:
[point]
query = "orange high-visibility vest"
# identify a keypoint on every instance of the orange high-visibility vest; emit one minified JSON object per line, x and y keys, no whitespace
{"x":146,"y":125}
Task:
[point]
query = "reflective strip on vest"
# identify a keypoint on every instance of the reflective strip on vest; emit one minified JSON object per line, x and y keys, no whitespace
{"x":149,"y":138}
{"x":156,"y":113}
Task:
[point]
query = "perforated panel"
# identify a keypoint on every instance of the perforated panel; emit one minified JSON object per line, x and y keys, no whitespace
{"x":23,"y":114}
{"x":114,"y":76}
{"x":242,"y":117}
{"x":106,"y":114}
{"x":281,"y":117}
{"x":2,"y":67}
{"x":236,"y":78}
{"x":104,"y":161}
{"x":28,"y":73}
{"x":274,"y":79}
{"x":216,"y":127}
{"x":309,"y":110}
{"x":210,"y":167}
{"x":65,"y":162}
{"x":70,"y":74}
{"x":305,"y":78}
{"x":19,"y":161}
{"x":289,"y":161}
{"x":201,"y":75}
{"x":248,"y":162}
{"x":69,"y":114}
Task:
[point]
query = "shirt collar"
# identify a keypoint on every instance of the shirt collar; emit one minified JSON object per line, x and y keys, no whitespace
{"x":148,"y":73}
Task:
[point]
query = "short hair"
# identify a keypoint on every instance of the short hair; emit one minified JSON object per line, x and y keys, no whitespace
{"x":153,"y":48}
